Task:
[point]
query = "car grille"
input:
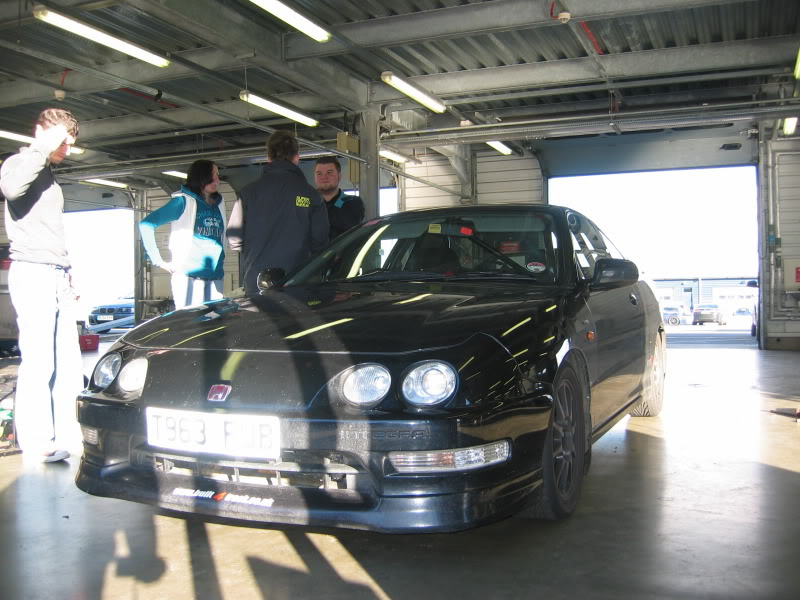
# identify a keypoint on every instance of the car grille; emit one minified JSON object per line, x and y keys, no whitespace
{"x":297,"y":470}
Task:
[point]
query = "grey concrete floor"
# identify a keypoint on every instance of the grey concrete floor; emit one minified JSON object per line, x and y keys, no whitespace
{"x":701,"y":502}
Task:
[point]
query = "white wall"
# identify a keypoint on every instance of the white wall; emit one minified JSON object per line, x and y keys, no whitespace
{"x":500,"y":180}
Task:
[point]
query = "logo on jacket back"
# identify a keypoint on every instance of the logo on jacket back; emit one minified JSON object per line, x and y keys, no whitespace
{"x":302,"y":201}
{"x":219,"y":392}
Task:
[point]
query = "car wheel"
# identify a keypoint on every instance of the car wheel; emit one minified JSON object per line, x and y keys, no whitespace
{"x":564,"y":450}
{"x":653,"y":396}
{"x":694,"y":322}
{"x":674,"y":321}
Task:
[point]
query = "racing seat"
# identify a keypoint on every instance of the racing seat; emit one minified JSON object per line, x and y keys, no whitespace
{"x":438,"y":260}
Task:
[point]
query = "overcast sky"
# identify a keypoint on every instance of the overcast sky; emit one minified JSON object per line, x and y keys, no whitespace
{"x":687,"y":223}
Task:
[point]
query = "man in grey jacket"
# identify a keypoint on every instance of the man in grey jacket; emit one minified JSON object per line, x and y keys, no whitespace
{"x":50,"y":375}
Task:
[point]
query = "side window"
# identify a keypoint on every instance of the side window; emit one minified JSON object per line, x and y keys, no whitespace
{"x":589,"y":244}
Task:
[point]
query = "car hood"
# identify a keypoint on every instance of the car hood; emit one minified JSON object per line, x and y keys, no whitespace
{"x":373,"y":318}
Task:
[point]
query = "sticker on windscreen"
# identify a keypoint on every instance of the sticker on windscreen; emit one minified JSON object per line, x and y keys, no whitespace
{"x":536,"y":267}
{"x":435,"y":228}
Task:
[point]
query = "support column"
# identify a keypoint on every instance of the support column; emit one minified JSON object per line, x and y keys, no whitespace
{"x":371,"y":178}
{"x":140,"y":287}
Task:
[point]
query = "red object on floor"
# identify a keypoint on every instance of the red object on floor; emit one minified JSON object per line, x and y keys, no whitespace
{"x":89,"y":341}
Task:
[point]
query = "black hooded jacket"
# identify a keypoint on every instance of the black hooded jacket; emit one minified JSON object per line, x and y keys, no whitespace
{"x":279,"y":221}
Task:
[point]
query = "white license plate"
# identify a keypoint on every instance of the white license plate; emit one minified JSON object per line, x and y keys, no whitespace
{"x":105,"y":317}
{"x":251,"y":436}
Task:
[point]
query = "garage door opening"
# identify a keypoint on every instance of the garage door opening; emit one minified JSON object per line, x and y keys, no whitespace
{"x":101,"y":248}
{"x":692,"y":233}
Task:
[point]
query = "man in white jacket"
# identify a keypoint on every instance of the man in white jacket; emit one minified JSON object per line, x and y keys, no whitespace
{"x":50,"y":375}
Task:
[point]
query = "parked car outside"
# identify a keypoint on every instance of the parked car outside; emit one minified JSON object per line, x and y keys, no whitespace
{"x":674,"y":315}
{"x":708,"y":313}
{"x":110,"y":314}
{"x":420,"y":373}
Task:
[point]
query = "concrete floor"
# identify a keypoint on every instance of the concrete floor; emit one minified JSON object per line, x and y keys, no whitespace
{"x":701,"y":502}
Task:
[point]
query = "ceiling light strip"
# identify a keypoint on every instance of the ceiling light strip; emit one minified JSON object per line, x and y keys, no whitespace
{"x":277,"y":108}
{"x":68,"y":24}
{"x":295,"y":19}
{"x":406,"y":87}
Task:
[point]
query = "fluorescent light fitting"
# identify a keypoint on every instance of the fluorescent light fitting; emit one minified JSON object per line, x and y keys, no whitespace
{"x":398,"y":158}
{"x":402,"y":85}
{"x":277,"y":108}
{"x":106,"y":182}
{"x":9,"y":135}
{"x":177,"y":174}
{"x":500,"y":147}
{"x":58,"y":20}
{"x":294,"y":18}
{"x":797,"y":66}
{"x":789,"y":125}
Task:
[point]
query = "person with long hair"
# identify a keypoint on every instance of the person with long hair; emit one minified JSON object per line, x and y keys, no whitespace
{"x":196,"y":214}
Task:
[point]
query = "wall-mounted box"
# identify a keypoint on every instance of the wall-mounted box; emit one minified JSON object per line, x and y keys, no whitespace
{"x":791,"y":274}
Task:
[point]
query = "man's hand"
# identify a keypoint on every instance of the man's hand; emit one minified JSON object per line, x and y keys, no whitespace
{"x":50,"y":139}
{"x":167,"y":266}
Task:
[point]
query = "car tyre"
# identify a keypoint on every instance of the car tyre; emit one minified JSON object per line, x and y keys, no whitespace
{"x":653,"y":396}
{"x":674,"y":320}
{"x":564,"y":450}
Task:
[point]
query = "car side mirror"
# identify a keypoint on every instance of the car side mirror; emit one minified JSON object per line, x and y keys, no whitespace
{"x":610,"y":273}
{"x":752,"y":283}
{"x":269,"y":277}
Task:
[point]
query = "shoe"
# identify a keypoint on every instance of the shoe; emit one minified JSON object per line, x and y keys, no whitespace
{"x":55,"y":456}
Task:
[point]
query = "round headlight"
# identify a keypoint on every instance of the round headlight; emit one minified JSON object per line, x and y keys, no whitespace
{"x":106,"y":370}
{"x":429,"y":383}
{"x":366,"y":384}
{"x":132,"y":376}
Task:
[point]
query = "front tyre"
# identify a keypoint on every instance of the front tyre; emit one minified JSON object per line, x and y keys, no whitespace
{"x":564,"y":450}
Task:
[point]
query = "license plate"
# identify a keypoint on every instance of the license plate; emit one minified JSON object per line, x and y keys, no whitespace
{"x":251,"y":436}
{"x":105,"y":317}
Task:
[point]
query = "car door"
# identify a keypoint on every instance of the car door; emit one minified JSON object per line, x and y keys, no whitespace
{"x":618,"y":317}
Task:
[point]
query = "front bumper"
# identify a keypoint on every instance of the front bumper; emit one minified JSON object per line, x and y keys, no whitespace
{"x":341,"y":481}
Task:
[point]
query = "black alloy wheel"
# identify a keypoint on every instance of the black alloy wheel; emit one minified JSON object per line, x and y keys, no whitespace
{"x":565,"y":450}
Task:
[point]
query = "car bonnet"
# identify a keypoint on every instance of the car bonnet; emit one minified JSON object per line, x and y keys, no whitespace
{"x":392,"y":318}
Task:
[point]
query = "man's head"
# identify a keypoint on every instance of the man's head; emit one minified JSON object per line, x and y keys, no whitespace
{"x":282,"y":145}
{"x":327,"y":174}
{"x":57,"y":117}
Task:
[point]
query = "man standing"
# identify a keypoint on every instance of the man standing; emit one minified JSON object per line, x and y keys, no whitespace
{"x":344,"y":212}
{"x":279,"y":220}
{"x":50,"y":375}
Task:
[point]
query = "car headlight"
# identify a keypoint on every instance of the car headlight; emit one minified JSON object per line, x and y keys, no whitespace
{"x":132,"y":376}
{"x":106,"y":370}
{"x":429,"y":383}
{"x":366,"y":385}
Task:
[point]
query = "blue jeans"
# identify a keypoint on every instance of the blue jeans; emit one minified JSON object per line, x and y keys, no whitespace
{"x":50,"y":376}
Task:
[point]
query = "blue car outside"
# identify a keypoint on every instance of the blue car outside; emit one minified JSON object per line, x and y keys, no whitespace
{"x":110,"y":313}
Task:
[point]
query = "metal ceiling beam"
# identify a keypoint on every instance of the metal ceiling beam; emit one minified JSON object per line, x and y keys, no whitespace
{"x":598,"y":123}
{"x":221,"y":25}
{"x":151,"y":91}
{"x":475,"y":19}
{"x":650,"y":63}
{"x":15,"y":93}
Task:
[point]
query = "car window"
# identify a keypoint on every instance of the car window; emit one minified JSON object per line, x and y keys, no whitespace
{"x":478,"y":244}
{"x":589,"y":244}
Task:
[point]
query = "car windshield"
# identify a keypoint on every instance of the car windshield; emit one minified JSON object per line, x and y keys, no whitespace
{"x":519,"y":244}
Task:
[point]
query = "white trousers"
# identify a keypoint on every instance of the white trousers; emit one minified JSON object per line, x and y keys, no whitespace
{"x":50,"y":375}
{"x":188,"y":292}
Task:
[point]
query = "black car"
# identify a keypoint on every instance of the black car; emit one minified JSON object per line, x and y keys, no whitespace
{"x":430,"y":370}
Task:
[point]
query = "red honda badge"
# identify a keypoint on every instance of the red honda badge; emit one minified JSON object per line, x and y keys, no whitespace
{"x":218,"y":392}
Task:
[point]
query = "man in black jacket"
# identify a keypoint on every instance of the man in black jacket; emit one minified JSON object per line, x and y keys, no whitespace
{"x":279,"y":220}
{"x":344,"y":211}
